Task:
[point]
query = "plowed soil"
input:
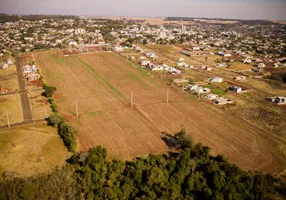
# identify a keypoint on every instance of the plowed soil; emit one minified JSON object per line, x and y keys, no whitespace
{"x":102,"y":82}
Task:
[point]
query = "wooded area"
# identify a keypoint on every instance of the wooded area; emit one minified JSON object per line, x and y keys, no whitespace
{"x":189,"y":172}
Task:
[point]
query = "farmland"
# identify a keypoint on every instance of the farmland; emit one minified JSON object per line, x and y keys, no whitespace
{"x":101,"y":83}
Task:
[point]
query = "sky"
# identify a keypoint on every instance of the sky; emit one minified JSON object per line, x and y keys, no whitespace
{"x":230,"y":9}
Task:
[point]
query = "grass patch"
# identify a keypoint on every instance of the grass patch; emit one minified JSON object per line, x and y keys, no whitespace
{"x":138,"y":79}
{"x":95,"y":114}
{"x":216,"y":90}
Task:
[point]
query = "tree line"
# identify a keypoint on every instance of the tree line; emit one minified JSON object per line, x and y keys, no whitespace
{"x":188,"y":172}
{"x":65,"y":130}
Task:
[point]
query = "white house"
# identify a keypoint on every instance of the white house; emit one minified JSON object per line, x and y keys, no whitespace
{"x":145,"y":62}
{"x":29,"y":69}
{"x":10,"y":61}
{"x":248,"y":61}
{"x":191,"y":87}
{"x":201,"y":90}
{"x":216,"y":80}
{"x":32,"y":76}
{"x":118,"y":48}
{"x":279,"y":100}
{"x":227,"y":55}
{"x":237,"y":89}
{"x":261,"y":65}
{"x":5,"y":66}
{"x":73,"y":43}
{"x":222,"y":101}
{"x":211,"y":96}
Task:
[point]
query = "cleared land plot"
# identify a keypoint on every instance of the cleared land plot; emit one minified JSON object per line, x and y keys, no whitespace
{"x":173,"y":53}
{"x":8,"y":79}
{"x":9,"y":83}
{"x":9,"y":71}
{"x":30,"y":150}
{"x":102,"y":83}
{"x":11,"y":104}
{"x":40,"y":105}
{"x":239,"y":66}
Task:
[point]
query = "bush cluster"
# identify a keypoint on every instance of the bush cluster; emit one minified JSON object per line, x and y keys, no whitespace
{"x":66,"y":131}
{"x":49,"y":90}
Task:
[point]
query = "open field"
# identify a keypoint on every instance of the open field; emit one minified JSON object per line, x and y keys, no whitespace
{"x":39,"y":104}
{"x":11,"y":104}
{"x":9,"y":71}
{"x":30,"y":150}
{"x":173,"y":53}
{"x":239,"y":66}
{"x":102,"y":83}
{"x":8,"y":79}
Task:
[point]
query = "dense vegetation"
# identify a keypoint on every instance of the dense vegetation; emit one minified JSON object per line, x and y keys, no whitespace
{"x":190,"y":172}
{"x":49,"y":90}
{"x":13,"y":18}
{"x":66,"y":131}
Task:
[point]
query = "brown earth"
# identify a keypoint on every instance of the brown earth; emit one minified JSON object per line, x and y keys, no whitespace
{"x":102,"y":83}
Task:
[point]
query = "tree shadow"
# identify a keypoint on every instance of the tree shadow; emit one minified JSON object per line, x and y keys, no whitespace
{"x":170,"y":140}
{"x":177,"y":141}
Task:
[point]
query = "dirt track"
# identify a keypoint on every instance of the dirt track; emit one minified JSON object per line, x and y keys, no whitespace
{"x":102,"y":83}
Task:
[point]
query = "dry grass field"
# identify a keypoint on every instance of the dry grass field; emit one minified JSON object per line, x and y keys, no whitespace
{"x":102,"y":83}
{"x":30,"y":150}
{"x":11,"y":104}
{"x":39,"y":104}
{"x":8,"y":79}
{"x":9,"y":71}
{"x":239,"y":66}
{"x":173,"y":53}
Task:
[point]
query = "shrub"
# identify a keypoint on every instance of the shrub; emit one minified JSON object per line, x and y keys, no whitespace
{"x":67,"y":133}
{"x":49,"y":90}
{"x":55,"y":119}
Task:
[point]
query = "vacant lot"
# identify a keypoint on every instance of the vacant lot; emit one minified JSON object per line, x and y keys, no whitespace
{"x":39,"y":104}
{"x":10,"y":104}
{"x":8,"y":79}
{"x":102,"y":84}
{"x":239,"y":66}
{"x":30,"y":150}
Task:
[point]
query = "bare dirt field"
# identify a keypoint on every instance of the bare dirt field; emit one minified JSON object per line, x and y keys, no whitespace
{"x":30,"y":150}
{"x":102,"y":83}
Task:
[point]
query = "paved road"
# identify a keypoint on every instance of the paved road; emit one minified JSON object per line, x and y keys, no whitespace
{"x":22,"y":91}
{"x":26,"y":108}
{"x":22,"y":123}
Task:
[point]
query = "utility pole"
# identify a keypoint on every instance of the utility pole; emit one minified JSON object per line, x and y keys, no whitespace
{"x":131,"y":100}
{"x":8,"y":120}
{"x":167,"y":100}
{"x":76,"y":107}
{"x":161,"y":75}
